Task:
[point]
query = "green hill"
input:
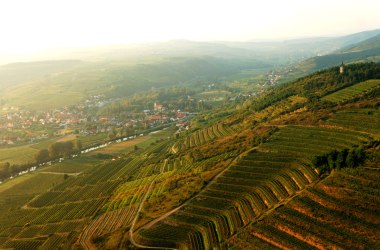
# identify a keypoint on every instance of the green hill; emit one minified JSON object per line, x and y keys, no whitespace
{"x":287,"y":168}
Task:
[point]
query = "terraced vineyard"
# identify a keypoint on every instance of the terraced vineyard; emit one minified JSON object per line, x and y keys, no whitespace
{"x":353,"y":91}
{"x":326,"y":216}
{"x":281,"y":107}
{"x":122,"y":207}
{"x":366,"y":120}
{"x":202,"y":136}
{"x":255,"y":184}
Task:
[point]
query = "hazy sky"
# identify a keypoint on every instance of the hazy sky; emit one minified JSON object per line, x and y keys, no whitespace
{"x":32,"y":25}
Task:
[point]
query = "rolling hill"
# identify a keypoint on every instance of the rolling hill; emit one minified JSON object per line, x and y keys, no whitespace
{"x":124,"y":70}
{"x":60,"y":86}
{"x":364,"y":51}
{"x":293,"y":167}
{"x":296,"y":50}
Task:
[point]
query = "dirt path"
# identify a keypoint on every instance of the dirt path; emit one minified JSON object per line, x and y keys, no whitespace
{"x":60,"y":173}
{"x":167,"y":214}
{"x":138,"y":213}
{"x":320,"y":126}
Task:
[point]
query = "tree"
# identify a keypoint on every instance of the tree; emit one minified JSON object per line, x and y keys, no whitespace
{"x":42,"y":156}
{"x":78,"y":145}
{"x":67,"y":148}
{"x":331,"y":159}
{"x":61,"y":149}
{"x":351,"y":159}
{"x":53,"y":150}
{"x":4,"y":170}
{"x":360,"y":154}
{"x":341,"y":159}
{"x":111,"y":135}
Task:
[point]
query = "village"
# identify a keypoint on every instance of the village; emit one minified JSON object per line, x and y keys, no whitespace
{"x":20,"y":126}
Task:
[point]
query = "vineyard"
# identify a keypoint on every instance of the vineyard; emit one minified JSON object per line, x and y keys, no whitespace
{"x":353,"y":91}
{"x":202,"y":136}
{"x":282,"y":172}
{"x":32,"y":218}
{"x":366,"y":120}
{"x":282,"y":107}
{"x":323,"y":217}
{"x":255,"y":184}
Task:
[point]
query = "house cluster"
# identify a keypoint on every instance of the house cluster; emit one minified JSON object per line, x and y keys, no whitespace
{"x":272,"y":78}
{"x":24,"y":119}
{"x":161,"y":114}
{"x":19,"y":126}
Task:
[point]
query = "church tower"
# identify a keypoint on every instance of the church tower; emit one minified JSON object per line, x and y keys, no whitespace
{"x":341,"y":68}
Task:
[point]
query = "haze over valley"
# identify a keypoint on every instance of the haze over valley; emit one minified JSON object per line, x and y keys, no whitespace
{"x":189,"y":125}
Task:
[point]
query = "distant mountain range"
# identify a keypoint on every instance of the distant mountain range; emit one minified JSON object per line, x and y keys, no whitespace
{"x":363,"y":51}
{"x":125,"y":69}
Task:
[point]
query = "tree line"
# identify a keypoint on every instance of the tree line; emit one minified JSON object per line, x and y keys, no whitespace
{"x":54,"y":151}
{"x":339,"y":159}
{"x":57,"y":150}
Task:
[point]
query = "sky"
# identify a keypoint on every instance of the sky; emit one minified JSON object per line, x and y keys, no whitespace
{"x":29,"y":26}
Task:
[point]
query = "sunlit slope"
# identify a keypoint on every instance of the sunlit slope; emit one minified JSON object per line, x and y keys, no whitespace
{"x":250,"y":187}
{"x":342,"y":211}
{"x":352,"y":91}
{"x":240,"y":177}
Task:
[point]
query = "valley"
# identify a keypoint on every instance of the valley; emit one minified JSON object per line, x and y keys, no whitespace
{"x":217,"y":145}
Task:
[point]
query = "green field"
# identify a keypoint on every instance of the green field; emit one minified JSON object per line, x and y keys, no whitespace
{"x":18,"y":155}
{"x":352,"y":91}
{"x":26,"y":153}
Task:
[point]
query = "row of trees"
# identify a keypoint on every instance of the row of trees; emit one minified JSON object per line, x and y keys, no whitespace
{"x":54,"y":151}
{"x":58,"y":149}
{"x":339,"y":159}
{"x":7,"y":170}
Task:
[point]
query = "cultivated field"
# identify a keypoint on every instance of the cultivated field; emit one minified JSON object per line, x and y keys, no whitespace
{"x":353,"y":91}
{"x":326,"y":216}
{"x":366,"y":120}
{"x":249,"y":188}
{"x":202,"y":136}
